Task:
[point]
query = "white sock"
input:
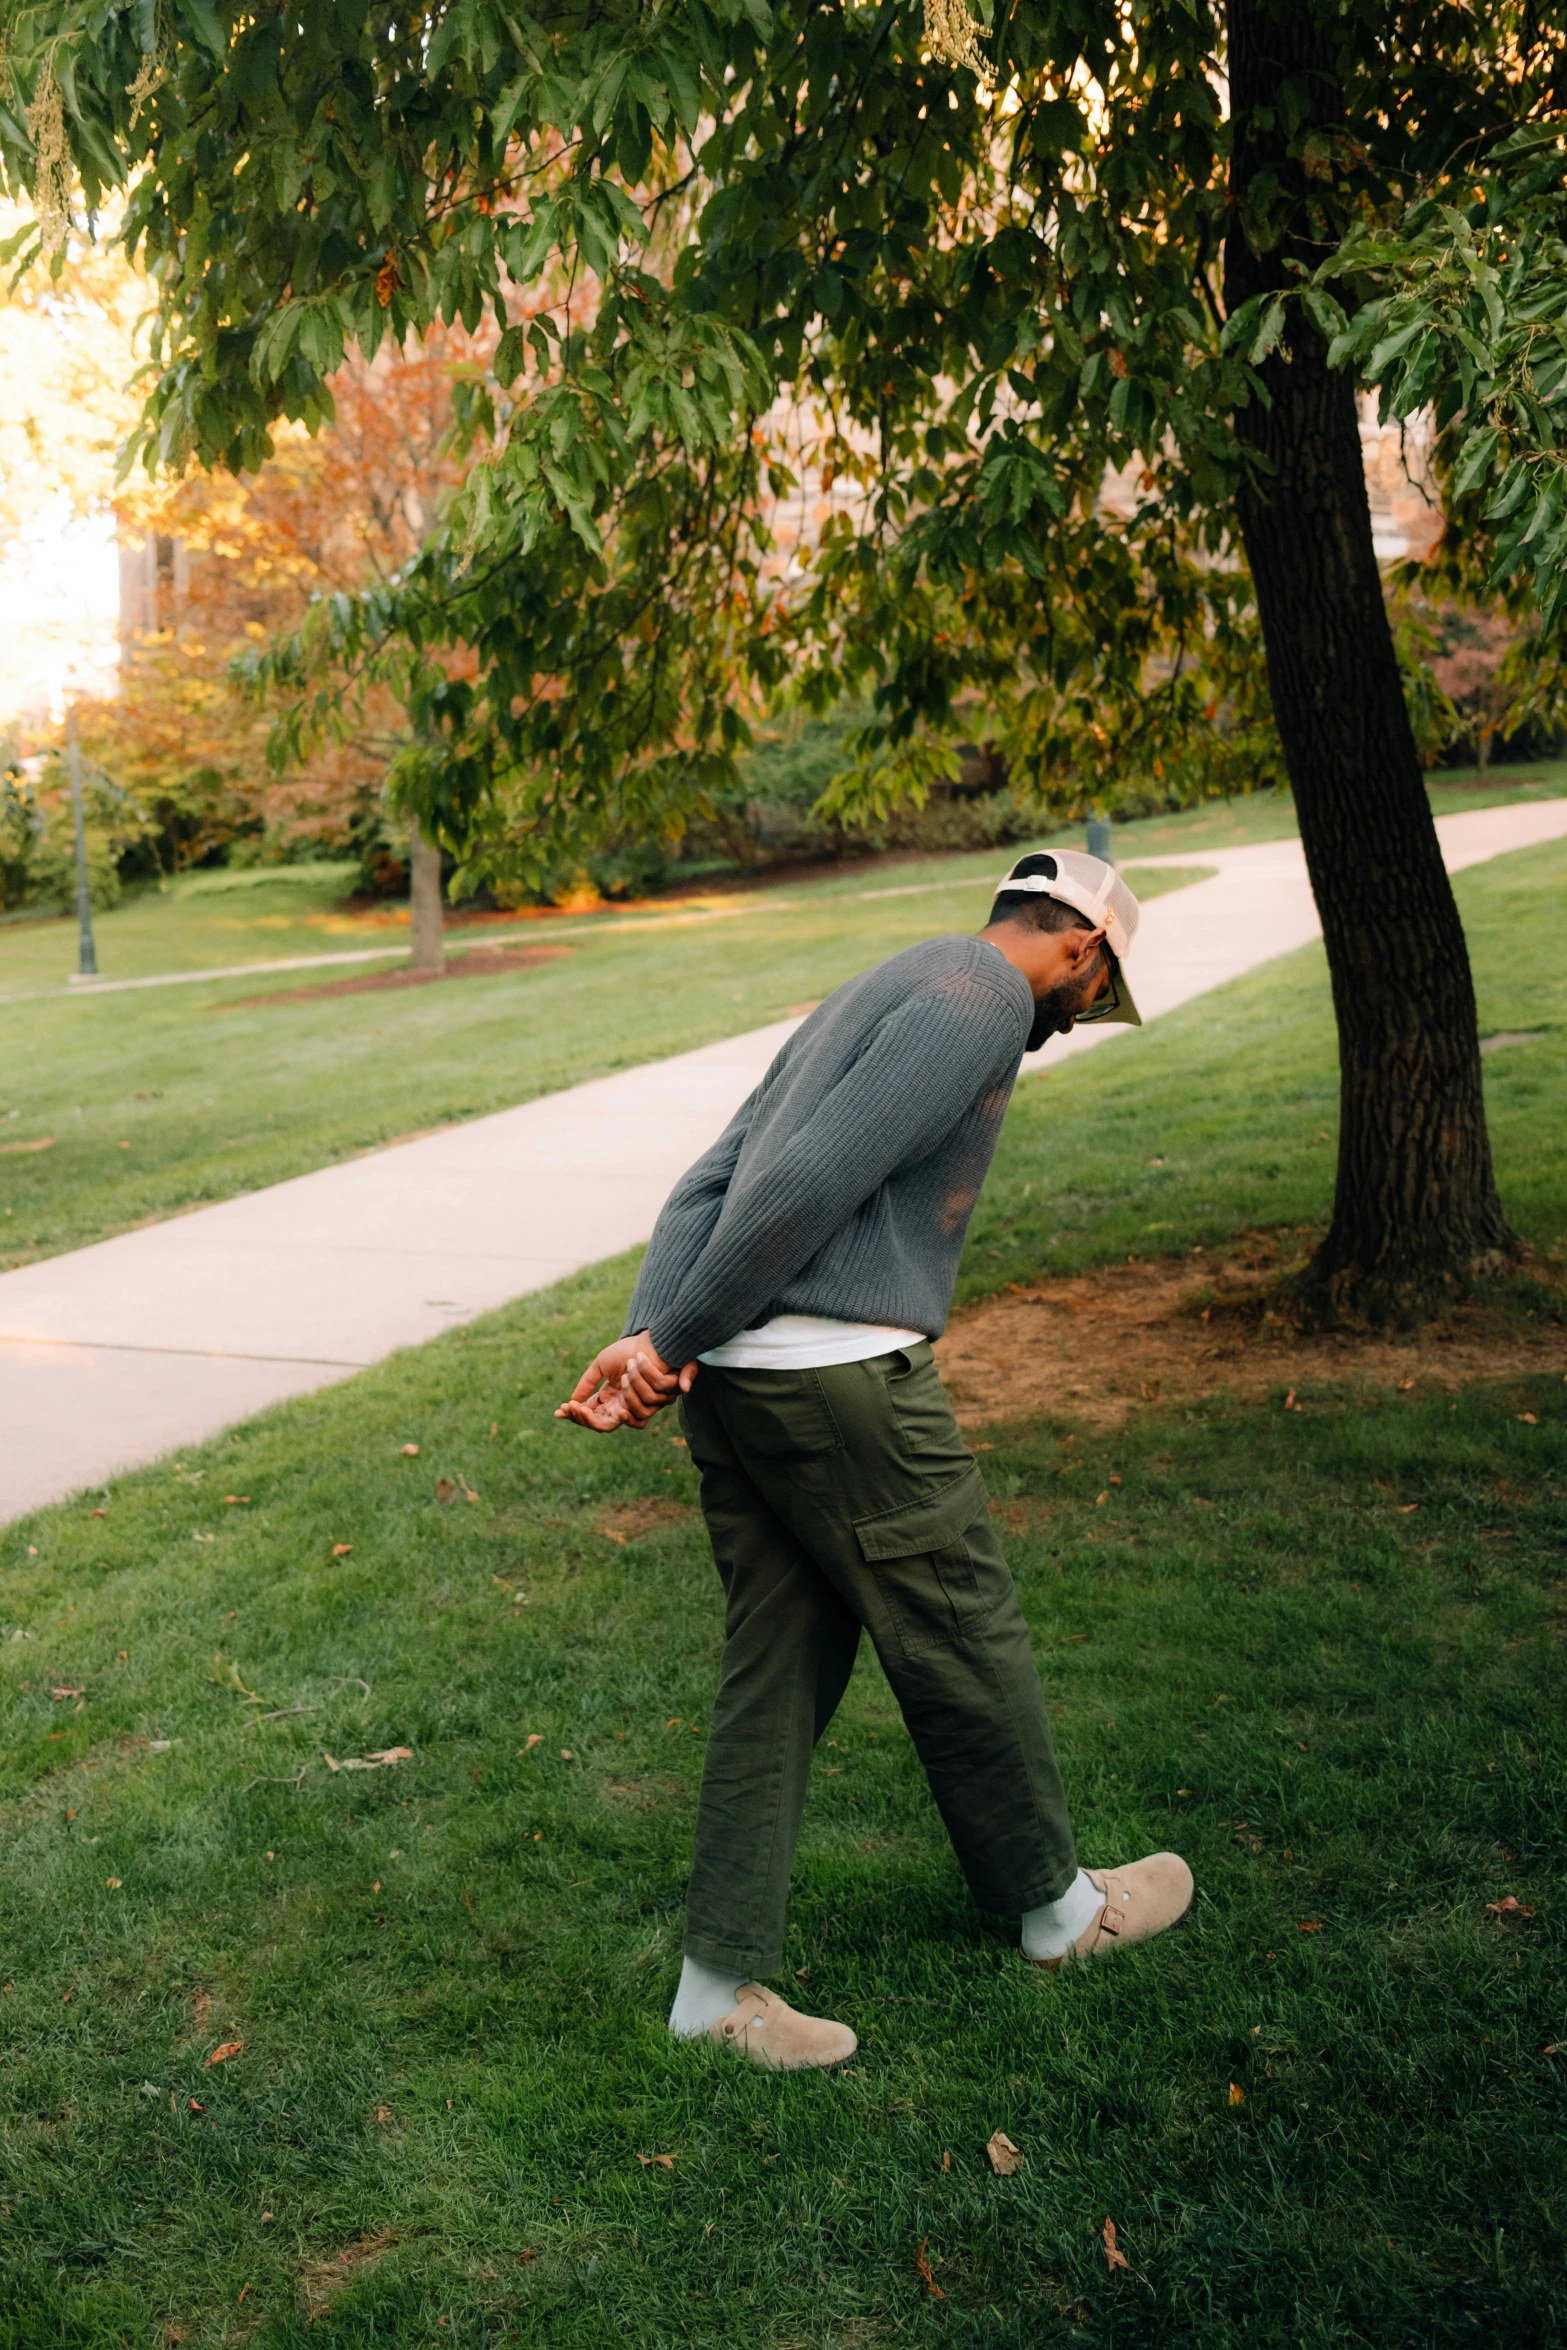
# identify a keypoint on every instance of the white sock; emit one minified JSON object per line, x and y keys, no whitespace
{"x":1051,"y":1930}
{"x":704,"y":1995}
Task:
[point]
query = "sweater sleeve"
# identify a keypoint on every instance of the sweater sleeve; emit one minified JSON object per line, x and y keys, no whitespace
{"x":926,"y":1065}
{"x":685,"y":1223}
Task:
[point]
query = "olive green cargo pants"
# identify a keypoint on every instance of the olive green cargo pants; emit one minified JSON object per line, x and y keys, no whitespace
{"x":838,"y":1498}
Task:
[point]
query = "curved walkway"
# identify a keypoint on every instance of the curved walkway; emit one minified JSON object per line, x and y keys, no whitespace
{"x":114,"y":1354}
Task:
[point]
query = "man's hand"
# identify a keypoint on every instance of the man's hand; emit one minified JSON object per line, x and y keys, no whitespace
{"x":624,"y":1385}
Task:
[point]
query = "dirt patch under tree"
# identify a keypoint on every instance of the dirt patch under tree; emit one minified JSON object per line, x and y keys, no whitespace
{"x":476,"y":963}
{"x":1102,"y":1345}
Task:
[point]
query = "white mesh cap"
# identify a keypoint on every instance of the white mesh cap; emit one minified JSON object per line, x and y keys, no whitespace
{"x":1098,"y":893}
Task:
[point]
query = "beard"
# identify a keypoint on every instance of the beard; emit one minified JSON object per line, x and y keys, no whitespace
{"x":1052,"y":1012}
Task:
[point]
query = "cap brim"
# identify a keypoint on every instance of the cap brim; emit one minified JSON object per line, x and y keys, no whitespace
{"x":1126,"y":1014}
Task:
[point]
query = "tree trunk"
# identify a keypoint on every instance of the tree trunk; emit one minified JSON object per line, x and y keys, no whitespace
{"x":426,"y":942}
{"x":1415,"y":1212}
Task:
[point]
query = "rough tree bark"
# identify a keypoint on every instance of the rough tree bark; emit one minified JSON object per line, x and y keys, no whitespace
{"x":426,"y":938}
{"x":1416,"y":1211}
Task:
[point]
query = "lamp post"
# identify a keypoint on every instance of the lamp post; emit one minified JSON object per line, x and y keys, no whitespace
{"x":87,"y":959}
{"x":1099,"y":838}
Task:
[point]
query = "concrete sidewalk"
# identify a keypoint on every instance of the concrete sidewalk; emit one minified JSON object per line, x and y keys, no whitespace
{"x":116,"y":1353}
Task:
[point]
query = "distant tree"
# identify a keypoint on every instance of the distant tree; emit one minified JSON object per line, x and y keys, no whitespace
{"x":330,"y":515}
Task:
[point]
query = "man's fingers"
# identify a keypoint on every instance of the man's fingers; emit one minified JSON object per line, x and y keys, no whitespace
{"x":647,"y":1385}
{"x":688,"y":1377}
{"x":602,"y":1415}
{"x":589,"y":1380}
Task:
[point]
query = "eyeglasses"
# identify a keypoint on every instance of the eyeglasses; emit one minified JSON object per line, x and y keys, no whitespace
{"x":1102,"y":1006}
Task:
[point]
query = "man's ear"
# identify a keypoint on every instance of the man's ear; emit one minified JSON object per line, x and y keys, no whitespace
{"x":1086,"y":944}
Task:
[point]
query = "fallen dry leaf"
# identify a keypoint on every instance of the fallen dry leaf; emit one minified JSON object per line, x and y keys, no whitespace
{"x":946,"y":2162}
{"x":1510,"y":1908}
{"x":1529,"y":1419}
{"x":411,"y":1451}
{"x":535,"y":1738}
{"x":926,"y":2279}
{"x":445,"y":1490}
{"x":383,"y":2113}
{"x":194,"y":2106}
{"x":1407,"y":1509}
{"x":1309,"y":1926}
{"x":114,"y":1883}
{"x":664,"y":2161}
{"x":1290,"y":1404}
{"x":97,"y":1513}
{"x":1405,"y":1385}
{"x":225,"y":2049}
{"x":341,"y":1550}
{"x":380,"y":1760}
{"x":1237,"y":2094}
{"x":1114,"y":2258}
{"x":57,"y":1694}
{"x":237,"y":1501}
{"x":1006,"y":2160}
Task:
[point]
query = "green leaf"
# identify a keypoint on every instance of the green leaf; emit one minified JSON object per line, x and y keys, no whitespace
{"x":1269,"y":333}
{"x":511,"y":354}
{"x":1475,"y":463}
{"x":207,"y":25}
{"x":1391,"y":345}
{"x":1510,"y":491}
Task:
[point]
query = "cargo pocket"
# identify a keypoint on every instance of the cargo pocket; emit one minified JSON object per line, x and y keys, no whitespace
{"x":935,"y":1562}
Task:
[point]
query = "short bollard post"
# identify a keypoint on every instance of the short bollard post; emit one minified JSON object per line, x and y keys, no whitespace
{"x":87,"y":959}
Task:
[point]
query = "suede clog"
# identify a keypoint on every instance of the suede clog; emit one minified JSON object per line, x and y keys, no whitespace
{"x":1145,"y":1898}
{"x":774,"y":2034}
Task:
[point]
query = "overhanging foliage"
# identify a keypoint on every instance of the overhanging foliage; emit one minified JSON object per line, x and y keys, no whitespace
{"x":995,"y":295}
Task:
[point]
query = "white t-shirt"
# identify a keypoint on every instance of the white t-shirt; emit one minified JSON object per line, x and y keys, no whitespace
{"x":807,"y":1342}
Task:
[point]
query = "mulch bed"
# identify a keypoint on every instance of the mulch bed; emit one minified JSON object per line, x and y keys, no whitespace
{"x":478,"y":963}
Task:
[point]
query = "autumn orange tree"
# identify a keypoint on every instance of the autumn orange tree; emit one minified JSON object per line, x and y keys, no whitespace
{"x":233,"y":560}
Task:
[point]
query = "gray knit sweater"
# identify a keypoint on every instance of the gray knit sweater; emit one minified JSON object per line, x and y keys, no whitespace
{"x":845,"y":1183}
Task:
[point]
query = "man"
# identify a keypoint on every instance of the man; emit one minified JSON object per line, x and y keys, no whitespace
{"x":794,"y":1281}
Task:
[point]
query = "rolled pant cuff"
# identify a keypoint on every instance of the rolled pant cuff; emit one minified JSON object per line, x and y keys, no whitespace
{"x":750,"y":1963}
{"x":1031,"y":1896}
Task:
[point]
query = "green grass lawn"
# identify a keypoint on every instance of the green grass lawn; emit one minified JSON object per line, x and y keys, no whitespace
{"x":151,"y":1102}
{"x":1319,"y":1652}
{"x":147,"y":1103}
